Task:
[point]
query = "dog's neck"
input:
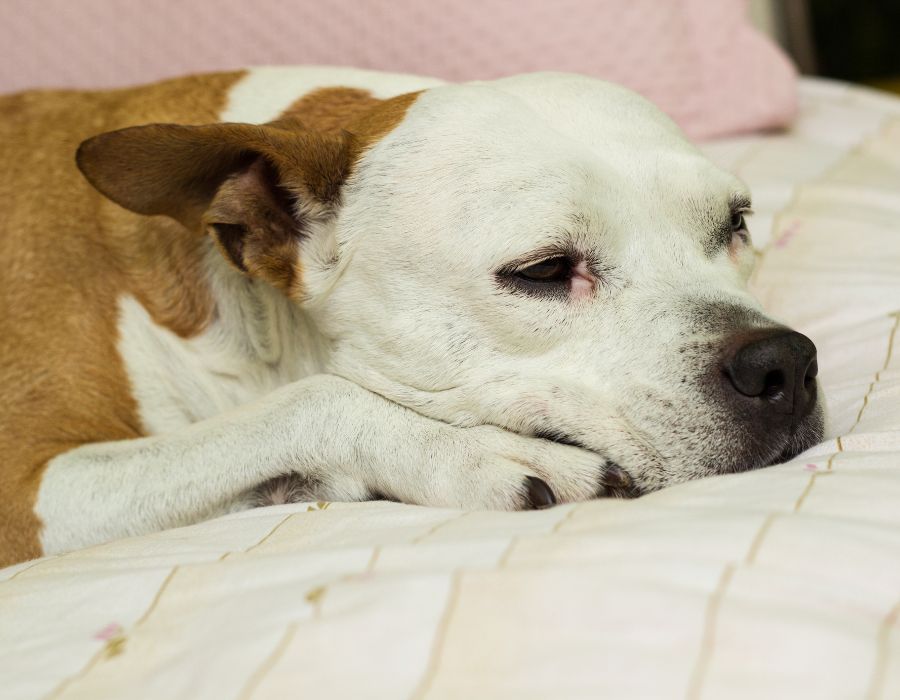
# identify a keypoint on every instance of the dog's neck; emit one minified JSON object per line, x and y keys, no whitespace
{"x":256,"y":322}
{"x":255,"y":341}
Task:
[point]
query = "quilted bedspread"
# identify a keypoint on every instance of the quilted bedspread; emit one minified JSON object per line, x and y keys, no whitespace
{"x":780,"y":583}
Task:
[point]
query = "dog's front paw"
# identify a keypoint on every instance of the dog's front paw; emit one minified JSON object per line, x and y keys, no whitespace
{"x":570,"y":472}
{"x":490,"y":468}
{"x":425,"y":462}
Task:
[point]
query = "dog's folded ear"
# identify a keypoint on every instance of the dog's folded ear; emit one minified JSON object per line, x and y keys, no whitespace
{"x":256,"y":189}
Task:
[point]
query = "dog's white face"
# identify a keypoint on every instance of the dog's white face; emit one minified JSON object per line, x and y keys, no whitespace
{"x":548,"y":254}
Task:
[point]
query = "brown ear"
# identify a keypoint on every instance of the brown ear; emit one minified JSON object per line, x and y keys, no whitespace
{"x":245,"y":184}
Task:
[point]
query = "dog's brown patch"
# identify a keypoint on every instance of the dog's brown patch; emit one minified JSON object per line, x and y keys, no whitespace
{"x":378,"y":122}
{"x":331,"y":110}
{"x":257,"y":190}
{"x":337,"y":110}
{"x":68,"y":255}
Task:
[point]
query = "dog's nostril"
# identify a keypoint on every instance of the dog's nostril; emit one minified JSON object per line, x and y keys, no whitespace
{"x":773,"y":385}
{"x":812,"y":371}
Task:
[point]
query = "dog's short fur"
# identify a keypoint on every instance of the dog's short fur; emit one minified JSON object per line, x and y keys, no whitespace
{"x":324,"y":273}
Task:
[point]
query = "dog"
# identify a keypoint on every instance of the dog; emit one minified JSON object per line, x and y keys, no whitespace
{"x":233,"y":289}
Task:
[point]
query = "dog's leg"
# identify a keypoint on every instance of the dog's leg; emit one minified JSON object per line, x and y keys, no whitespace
{"x":343,"y":441}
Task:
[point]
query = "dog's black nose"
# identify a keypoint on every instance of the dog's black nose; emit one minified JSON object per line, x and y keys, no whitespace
{"x":777,"y":366}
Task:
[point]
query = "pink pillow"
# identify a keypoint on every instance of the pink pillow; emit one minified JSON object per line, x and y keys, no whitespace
{"x":700,"y":60}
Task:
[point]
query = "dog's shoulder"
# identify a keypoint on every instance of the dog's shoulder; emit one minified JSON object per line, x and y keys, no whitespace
{"x":68,"y":256}
{"x":74,"y":263}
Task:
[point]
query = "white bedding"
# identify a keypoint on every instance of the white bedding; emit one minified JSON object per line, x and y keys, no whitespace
{"x":781,"y":583}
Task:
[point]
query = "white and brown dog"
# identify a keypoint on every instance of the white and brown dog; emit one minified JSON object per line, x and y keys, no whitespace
{"x":489,"y":295}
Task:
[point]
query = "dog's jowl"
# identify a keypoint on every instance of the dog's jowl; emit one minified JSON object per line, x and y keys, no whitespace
{"x":284,"y":284}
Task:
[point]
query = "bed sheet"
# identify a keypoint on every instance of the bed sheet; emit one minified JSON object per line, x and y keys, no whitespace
{"x":780,"y":583}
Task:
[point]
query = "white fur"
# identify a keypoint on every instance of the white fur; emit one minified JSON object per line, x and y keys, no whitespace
{"x":350,"y":443}
{"x":406,"y":352}
{"x":513,"y":166}
{"x":258,"y":342}
{"x":266,"y":92}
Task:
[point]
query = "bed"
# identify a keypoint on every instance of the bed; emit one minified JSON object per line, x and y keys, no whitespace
{"x":780,"y":583}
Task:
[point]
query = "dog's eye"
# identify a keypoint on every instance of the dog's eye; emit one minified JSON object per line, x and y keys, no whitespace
{"x":550,"y":277}
{"x":737,"y":222}
{"x":551,"y":270}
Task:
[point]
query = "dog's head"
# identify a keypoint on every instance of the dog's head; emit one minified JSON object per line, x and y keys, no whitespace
{"x":545,"y":253}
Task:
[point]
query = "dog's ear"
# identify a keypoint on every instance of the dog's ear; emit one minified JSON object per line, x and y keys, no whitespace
{"x":256,"y":189}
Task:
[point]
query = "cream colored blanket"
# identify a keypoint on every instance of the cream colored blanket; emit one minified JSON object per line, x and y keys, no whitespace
{"x":781,"y":583}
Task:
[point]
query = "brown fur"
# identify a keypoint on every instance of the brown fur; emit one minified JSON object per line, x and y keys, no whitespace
{"x":331,"y":110}
{"x":236,"y":181}
{"x":337,"y":110}
{"x":69,"y":254}
{"x":240,"y":182}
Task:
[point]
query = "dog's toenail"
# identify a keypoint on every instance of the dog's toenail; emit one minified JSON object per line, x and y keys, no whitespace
{"x":539,"y":494}
{"x":616,"y":477}
{"x":617,"y":483}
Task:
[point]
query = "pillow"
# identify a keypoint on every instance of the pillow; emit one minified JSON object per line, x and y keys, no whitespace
{"x":700,"y":60}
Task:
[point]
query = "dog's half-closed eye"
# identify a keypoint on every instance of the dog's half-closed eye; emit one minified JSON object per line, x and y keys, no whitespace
{"x":551,"y":273}
{"x":731,"y":229}
{"x":546,"y":275}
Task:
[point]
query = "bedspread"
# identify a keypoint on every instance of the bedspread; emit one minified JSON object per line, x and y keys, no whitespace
{"x":779,"y":583}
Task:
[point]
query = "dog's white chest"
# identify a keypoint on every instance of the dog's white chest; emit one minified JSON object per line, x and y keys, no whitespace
{"x":243,"y":355}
